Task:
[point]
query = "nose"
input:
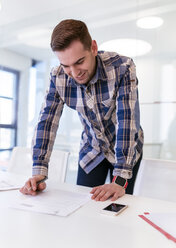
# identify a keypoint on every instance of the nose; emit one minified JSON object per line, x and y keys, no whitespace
{"x":74,"y":71}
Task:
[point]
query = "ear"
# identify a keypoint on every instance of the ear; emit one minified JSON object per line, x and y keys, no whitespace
{"x":94,"y":47}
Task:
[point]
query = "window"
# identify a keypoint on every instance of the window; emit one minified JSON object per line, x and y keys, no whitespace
{"x":9,"y":80}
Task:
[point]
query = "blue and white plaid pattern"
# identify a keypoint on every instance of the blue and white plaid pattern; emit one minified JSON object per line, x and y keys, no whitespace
{"x":108,"y":108}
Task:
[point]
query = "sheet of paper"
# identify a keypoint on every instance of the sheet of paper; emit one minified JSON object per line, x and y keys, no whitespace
{"x":166,"y":221}
{"x":9,"y":181}
{"x":163,"y":222}
{"x":55,"y":202}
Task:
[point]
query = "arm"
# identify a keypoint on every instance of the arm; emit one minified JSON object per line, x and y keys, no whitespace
{"x":128,"y":123}
{"x":44,"y":137}
{"x":127,"y":112}
{"x":46,"y":129}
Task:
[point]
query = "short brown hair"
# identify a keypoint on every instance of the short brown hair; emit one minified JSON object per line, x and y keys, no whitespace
{"x":67,"y":31}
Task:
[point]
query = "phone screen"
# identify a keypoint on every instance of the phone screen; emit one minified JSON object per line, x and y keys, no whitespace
{"x":114,"y":207}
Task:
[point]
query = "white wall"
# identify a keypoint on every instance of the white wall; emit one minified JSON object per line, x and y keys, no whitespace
{"x":157,"y":91}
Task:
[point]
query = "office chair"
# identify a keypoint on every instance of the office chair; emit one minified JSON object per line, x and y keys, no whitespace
{"x":21,"y":163}
{"x":156,"y":179}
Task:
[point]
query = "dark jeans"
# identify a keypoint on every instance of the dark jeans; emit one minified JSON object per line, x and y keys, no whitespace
{"x":98,"y":175}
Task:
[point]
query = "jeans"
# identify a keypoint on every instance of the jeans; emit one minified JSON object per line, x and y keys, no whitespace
{"x":98,"y":175}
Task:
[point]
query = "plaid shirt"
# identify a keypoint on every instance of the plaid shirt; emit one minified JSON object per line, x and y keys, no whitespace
{"x":108,"y":108}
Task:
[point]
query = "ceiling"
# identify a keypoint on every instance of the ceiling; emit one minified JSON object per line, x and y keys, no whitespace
{"x":23,"y":22}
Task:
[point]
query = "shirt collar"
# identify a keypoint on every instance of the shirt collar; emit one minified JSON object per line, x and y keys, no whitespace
{"x":100,"y":73}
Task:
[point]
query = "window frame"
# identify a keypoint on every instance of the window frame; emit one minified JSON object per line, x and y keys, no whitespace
{"x":14,"y":125}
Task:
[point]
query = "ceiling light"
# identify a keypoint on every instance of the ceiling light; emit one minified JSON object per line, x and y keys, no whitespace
{"x":149,"y":22}
{"x":127,"y":47}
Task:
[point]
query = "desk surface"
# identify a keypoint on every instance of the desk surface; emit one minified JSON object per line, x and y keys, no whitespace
{"x":86,"y":227}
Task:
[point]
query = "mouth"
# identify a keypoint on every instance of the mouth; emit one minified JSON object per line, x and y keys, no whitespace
{"x":81,"y":77}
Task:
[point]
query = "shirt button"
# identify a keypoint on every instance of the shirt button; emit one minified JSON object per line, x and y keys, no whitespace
{"x":99,"y":135}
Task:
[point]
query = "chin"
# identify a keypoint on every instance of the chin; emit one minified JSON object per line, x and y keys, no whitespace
{"x":81,"y":82}
{"x":85,"y":81}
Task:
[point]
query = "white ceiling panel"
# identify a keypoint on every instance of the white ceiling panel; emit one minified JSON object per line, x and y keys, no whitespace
{"x":106,"y":20}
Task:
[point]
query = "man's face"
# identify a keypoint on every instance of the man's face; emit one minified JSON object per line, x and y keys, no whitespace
{"x":77,"y":62}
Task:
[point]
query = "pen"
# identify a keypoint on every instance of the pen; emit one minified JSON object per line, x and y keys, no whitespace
{"x":37,"y":183}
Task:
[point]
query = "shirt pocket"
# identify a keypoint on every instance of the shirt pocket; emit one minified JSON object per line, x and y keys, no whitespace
{"x":108,"y":106}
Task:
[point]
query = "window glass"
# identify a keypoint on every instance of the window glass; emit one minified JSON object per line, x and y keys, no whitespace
{"x":7,"y":83}
{"x":4,"y":155}
{"x":6,"y":111}
{"x":6,"y":138}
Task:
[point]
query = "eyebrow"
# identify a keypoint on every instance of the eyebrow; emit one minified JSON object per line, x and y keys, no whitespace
{"x":74,"y":63}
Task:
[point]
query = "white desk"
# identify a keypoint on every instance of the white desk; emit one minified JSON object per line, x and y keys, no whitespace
{"x":85,"y":228}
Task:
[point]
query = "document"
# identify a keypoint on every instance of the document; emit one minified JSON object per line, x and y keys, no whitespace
{"x":54,"y":202}
{"x":10,"y":181}
{"x":163,"y":222}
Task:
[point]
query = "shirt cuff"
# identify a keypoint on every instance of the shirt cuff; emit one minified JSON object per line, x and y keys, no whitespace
{"x":40,"y":170}
{"x":127,"y":174}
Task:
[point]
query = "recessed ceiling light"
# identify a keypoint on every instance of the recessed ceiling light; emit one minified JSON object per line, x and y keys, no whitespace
{"x":127,"y":47}
{"x":149,"y":22}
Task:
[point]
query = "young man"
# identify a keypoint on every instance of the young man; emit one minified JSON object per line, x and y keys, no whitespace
{"x":102,"y":87}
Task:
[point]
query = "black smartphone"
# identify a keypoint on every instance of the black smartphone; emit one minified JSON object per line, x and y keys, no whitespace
{"x":114,"y":209}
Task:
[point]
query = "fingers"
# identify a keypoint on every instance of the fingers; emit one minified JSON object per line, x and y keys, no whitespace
{"x":28,"y":185}
{"x":31,"y":187}
{"x":41,"y":186}
{"x":103,"y":195}
{"x":104,"y":192}
{"x":106,"y":196}
{"x":115,"y":197}
{"x":33,"y":182}
{"x":96,"y":191}
{"x":27,"y":190}
{"x":100,"y":193}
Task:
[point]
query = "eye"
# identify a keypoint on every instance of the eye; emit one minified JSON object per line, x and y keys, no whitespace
{"x":65,"y":66}
{"x":80,"y":62}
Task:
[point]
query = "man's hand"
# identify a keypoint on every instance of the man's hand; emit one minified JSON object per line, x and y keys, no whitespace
{"x":103,"y":192}
{"x":31,"y":188}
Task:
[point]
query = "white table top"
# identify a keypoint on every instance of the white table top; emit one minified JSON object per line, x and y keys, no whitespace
{"x":85,"y":228}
